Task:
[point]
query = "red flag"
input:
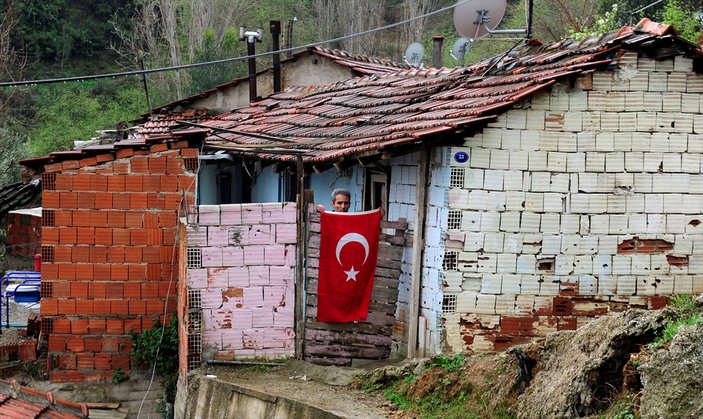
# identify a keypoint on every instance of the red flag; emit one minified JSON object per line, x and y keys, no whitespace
{"x":348,"y":255}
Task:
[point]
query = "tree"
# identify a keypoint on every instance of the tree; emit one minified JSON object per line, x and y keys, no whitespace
{"x":171,"y":33}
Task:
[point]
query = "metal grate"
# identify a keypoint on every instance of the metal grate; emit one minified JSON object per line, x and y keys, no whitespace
{"x":47,"y":253}
{"x":450,"y":262}
{"x":191,"y":164}
{"x":195,"y":316}
{"x":456,"y":177}
{"x":47,"y":326}
{"x":194,"y":258}
{"x":195,"y":348}
{"x":46,"y":289}
{"x":48,"y":181}
{"x":195,"y":322}
{"x":195,"y":300}
{"x":48,"y":218}
{"x":454,"y":220}
{"x":449,"y":303}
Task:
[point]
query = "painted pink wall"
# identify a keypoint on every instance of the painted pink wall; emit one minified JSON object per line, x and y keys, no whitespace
{"x":246,"y":279}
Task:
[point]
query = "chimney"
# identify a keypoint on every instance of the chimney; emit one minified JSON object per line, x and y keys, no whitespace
{"x":437,"y":56}
{"x":251,"y":38}
{"x":275,"y":28}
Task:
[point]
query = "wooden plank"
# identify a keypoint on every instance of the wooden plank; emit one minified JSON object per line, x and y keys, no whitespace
{"x":92,"y":405}
{"x":418,"y":240}
{"x":374,"y":317}
{"x":313,"y":349}
{"x":385,"y":330}
{"x":380,"y":305}
{"x":347,"y":338}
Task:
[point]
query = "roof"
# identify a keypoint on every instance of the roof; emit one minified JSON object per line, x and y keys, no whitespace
{"x":18,"y":195}
{"x":359,"y":64}
{"x":398,"y":112}
{"x":377,"y":113}
{"x":23,"y":402}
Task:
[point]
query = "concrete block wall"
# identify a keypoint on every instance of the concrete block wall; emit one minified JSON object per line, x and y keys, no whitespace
{"x":585,"y":200}
{"x":402,"y":201}
{"x":109,"y":250}
{"x":241,"y":266}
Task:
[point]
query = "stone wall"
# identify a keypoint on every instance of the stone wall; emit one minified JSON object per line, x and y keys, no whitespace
{"x":584,"y":201}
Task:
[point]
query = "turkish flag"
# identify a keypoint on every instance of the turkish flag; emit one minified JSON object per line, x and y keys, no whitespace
{"x":348,"y":255}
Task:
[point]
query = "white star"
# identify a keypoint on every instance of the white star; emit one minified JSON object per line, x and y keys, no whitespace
{"x":351,"y":274}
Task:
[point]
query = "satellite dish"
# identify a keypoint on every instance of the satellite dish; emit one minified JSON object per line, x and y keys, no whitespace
{"x":460,"y":48}
{"x":414,"y":54}
{"x":474,"y":19}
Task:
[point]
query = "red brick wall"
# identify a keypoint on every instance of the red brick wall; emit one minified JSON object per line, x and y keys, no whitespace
{"x":114,"y":248}
{"x":23,"y":231}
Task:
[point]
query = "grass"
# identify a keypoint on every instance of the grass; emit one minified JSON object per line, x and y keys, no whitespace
{"x":685,"y":312}
{"x":449,"y":362}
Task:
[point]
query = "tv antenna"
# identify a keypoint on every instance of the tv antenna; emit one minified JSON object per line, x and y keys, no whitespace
{"x":413,"y":54}
{"x":475,"y":19}
{"x":459,"y":50}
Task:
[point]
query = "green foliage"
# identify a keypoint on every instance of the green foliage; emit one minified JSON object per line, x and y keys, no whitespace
{"x":13,"y":147}
{"x":119,"y":376}
{"x":55,"y":30}
{"x":685,"y":312}
{"x":66,"y":113}
{"x":625,"y":407}
{"x":212,"y":49}
{"x":449,"y":363}
{"x":158,"y":348}
{"x":686,"y":23}
{"x":603,"y":24}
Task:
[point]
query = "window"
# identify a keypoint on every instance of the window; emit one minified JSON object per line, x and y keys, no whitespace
{"x":376,"y":191}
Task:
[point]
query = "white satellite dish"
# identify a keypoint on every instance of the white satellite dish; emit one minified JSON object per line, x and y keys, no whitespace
{"x":460,"y":48}
{"x":414,"y":54}
{"x":474,"y":19}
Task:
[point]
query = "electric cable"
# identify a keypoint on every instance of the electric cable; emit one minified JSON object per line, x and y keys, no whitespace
{"x":224,"y":60}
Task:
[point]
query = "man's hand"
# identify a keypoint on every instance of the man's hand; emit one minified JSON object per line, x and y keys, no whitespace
{"x":320,"y":208}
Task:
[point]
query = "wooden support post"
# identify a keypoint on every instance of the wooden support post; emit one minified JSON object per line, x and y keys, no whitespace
{"x":299,"y":260}
{"x":418,"y":247}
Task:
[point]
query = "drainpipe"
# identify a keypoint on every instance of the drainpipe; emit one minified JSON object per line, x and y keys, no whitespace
{"x":437,"y":57}
{"x":251,"y":38}
{"x":275,"y":28}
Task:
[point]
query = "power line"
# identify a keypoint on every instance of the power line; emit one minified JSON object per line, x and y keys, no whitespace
{"x":225,"y":60}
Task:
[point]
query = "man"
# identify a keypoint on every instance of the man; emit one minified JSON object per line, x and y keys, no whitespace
{"x":341,"y":201}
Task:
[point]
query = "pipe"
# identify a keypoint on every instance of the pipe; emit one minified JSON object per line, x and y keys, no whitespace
{"x":530,"y":11}
{"x":437,"y":56}
{"x":275,"y":29}
{"x":252,"y":71}
{"x":251,"y":38}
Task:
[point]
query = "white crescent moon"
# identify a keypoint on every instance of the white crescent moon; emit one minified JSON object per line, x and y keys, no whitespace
{"x":351,"y":238}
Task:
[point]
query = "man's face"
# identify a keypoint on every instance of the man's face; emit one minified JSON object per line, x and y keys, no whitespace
{"x":341,"y":203}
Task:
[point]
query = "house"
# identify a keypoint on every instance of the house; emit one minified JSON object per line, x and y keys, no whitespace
{"x":541,"y":188}
{"x":311,"y":66}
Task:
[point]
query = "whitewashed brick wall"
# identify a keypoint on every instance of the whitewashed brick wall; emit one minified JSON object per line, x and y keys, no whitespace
{"x":402,"y":200}
{"x":246,"y":278}
{"x":587,"y":199}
